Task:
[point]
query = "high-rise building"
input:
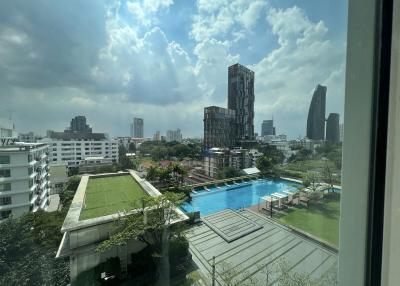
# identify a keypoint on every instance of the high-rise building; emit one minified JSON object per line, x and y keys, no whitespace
{"x":78,"y":125}
{"x":174,"y":135}
{"x":241,"y":100}
{"x":137,"y":128}
{"x":219,"y":126}
{"x":332,"y":128}
{"x":267,"y":127}
{"x":316,"y":114}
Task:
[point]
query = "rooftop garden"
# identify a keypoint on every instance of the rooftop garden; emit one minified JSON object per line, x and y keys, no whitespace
{"x":109,"y":195}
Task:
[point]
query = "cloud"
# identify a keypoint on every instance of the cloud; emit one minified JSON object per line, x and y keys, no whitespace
{"x":218,"y":19}
{"x":114,"y":60}
{"x":145,"y":11}
{"x":286,"y":77}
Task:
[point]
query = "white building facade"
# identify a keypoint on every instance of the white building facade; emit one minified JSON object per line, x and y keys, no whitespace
{"x":174,"y":135}
{"x":74,"y":149}
{"x":24,"y":178}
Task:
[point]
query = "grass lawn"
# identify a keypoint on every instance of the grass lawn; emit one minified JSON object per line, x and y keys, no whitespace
{"x":320,"y":219}
{"x":109,"y":195}
{"x":310,"y":165}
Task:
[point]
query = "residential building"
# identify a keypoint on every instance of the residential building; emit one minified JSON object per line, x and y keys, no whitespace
{"x":267,"y":127}
{"x":219,"y":158}
{"x":219,"y":124}
{"x":157,"y":136}
{"x":59,"y":177}
{"x":241,"y":100}
{"x":91,"y":164}
{"x":174,"y":135}
{"x":305,"y":143}
{"x":137,"y":128}
{"x":126,"y":141}
{"x":254,"y":156}
{"x":78,"y":125}
{"x":332,"y":128}
{"x":29,"y":137}
{"x":74,"y":147}
{"x":316,"y":114}
{"x":24,"y":178}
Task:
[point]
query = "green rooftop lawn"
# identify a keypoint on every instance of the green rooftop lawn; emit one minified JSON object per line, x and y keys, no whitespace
{"x":320,"y":219}
{"x":105,"y":196}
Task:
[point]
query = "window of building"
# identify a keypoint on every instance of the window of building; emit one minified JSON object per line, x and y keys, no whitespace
{"x":4,"y":159}
{"x":5,"y":173}
{"x":5,"y":201}
{"x":5,"y":214}
{"x":4,"y":187}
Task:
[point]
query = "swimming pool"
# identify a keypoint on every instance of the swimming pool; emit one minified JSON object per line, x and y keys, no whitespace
{"x":234,"y":196}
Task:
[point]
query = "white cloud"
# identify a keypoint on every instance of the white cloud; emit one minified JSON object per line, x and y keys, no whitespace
{"x":217,"y":19}
{"x":145,"y":11}
{"x":286,"y":77}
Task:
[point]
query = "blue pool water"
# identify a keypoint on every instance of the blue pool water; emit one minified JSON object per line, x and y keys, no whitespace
{"x":235,"y":196}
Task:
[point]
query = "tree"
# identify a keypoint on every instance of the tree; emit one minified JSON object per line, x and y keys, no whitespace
{"x":152,"y":226}
{"x":277,"y":156}
{"x":264,"y":164}
{"x":148,"y":225}
{"x":178,"y":174}
{"x":27,"y":250}
{"x":227,"y":172}
{"x":132,"y":147}
{"x":152,"y":173}
{"x":328,"y":175}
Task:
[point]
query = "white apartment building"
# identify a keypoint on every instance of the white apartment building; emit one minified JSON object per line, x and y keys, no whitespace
{"x":254,"y":156}
{"x":59,"y":177}
{"x":24,"y":178}
{"x":174,"y":135}
{"x":73,"y":148}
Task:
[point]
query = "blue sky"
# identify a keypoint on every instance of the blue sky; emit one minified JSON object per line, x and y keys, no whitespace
{"x":165,"y":60}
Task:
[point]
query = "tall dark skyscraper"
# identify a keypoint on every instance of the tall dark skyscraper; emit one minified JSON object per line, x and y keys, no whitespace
{"x":241,"y":100}
{"x":332,"y":128}
{"x":219,"y":127}
{"x":78,"y":125}
{"x":316,"y":114}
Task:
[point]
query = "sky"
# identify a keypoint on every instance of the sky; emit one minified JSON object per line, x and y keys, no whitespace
{"x":165,"y":60}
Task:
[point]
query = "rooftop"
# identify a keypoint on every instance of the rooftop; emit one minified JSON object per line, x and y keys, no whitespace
{"x":110,"y":195}
{"x":252,"y":250}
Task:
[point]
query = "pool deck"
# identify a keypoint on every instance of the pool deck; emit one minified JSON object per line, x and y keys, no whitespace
{"x":254,"y":251}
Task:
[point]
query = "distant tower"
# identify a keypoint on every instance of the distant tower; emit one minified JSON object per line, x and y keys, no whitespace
{"x":267,"y":127}
{"x":241,"y":100}
{"x":137,"y":128}
{"x":78,"y":125}
{"x":332,"y":128}
{"x":316,"y":114}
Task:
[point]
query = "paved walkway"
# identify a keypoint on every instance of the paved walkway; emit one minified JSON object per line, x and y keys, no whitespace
{"x":54,"y":203}
{"x":266,"y":247}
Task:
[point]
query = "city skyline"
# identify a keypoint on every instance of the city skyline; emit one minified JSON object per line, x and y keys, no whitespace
{"x":136,"y":60}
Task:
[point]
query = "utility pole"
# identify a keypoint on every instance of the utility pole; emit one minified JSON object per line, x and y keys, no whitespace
{"x":213,"y":271}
